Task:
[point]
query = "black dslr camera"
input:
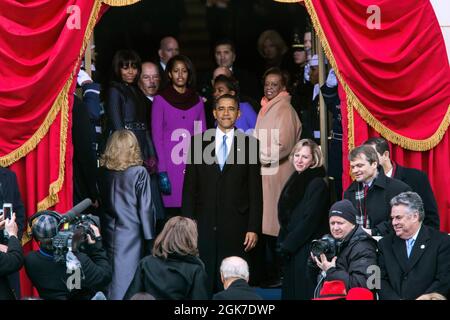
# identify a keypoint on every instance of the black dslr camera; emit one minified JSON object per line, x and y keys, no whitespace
{"x":326,"y":245}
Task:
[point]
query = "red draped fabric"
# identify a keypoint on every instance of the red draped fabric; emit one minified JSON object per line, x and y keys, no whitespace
{"x":394,"y":81}
{"x":41,"y":44}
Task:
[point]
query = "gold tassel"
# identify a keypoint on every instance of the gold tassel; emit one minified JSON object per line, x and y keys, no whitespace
{"x":120,"y":3}
{"x":353,"y":102}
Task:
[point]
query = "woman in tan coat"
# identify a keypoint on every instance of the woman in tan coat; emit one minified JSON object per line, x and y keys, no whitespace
{"x":278,"y":129}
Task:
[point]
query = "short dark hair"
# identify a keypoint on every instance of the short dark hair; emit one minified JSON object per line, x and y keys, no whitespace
{"x":124,"y":58}
{"x":230,"y":82}
{"x":277,"y":71}
{"x":380,"y":144}
{"x":227,"y":96}
{"x":189,"y":66}
{"x":225,"y":42}
{"x":368,"y":151}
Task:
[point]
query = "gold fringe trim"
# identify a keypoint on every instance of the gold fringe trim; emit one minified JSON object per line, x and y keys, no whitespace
{"x":63,"y":105}
{"x":56,"y":186}
{"x":353,"y":102}
{"x":120,"y":3}
{"x":34,"y":140}
{"x":351,"y":127}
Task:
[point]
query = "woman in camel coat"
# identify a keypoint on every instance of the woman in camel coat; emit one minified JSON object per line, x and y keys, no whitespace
{"x":278,"y":129}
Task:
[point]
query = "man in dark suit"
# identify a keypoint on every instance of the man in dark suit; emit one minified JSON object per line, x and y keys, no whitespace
{"x":416,"y":259}
{"x":250,"y":87}
{"x":371,"y":191}
{"x":149,"y":83}
{"x":222,"y":190}
{"x":234,"y":275}
{"x":168,"y":48}
{"x":416,"y":179}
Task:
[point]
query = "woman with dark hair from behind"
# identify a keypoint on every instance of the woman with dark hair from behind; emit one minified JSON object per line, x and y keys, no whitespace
{"x":126,"y":108}
{"x":174,"y":271}
{"x":128,"y":221}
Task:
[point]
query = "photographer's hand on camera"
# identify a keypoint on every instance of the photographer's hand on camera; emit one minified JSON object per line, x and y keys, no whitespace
{"x":323,"y":262}
{"x":11,"y":226}
{"x":97,"y":236}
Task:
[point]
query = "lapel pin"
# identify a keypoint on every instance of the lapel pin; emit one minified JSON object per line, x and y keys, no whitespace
{"x":422,"y":246}
{"x":238,"y":149}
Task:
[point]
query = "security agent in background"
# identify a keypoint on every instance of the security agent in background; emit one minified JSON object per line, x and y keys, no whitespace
{"x":11,"y":257}
{"x":349,"y":251}
{"x":51,"y":278}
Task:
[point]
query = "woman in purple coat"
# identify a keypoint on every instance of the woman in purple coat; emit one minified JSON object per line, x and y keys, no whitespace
{"x":177,"y":114}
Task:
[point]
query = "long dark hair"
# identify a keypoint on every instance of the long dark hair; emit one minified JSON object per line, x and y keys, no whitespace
{"x":124,"y":58}
{"x":191,"y":81}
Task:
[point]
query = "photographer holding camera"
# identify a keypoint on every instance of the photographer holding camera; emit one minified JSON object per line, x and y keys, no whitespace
{"x":348,"y":252}
{"x":11,"y":257}
{"x":55,"y":280}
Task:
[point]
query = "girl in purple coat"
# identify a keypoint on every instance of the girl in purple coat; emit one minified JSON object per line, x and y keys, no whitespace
{"x":177,"y":114}
{"x":228,"y":85}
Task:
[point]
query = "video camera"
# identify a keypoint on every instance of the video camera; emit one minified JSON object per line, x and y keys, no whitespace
{"x":326,"y":245}
{"x":73,"y":229}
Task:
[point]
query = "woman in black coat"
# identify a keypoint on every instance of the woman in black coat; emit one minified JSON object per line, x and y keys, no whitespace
{"x":127,"y":108}
{"x":174,"y":271}
{"x":303,"y":217}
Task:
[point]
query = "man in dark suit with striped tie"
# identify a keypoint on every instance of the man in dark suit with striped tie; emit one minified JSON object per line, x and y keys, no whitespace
{"x":415,"y":261}
{"x":222,"y":190}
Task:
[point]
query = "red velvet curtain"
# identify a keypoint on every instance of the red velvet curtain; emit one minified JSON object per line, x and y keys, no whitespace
{"x":391,"y":62}
{"x":41,"y":44}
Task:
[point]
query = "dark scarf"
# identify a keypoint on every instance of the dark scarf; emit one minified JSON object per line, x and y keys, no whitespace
{"x":182,"y":101}
{"x":294,"y":191}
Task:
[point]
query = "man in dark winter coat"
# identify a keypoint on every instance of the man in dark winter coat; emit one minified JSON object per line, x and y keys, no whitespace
{"x":234,"y":274}
{"x":415,"y":261}
{"x":53,"y":280}
{"x":11,"y":258}
{"x":223,"y":190}
{"x":9,"y":193}
{"x":371,"y":191}
{"x":416,"y":179}
{"x":356,"y":250}
{"x":84,"y":157}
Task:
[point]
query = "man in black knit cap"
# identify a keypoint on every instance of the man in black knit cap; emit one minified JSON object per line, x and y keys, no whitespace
{"x":355,"y":249}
